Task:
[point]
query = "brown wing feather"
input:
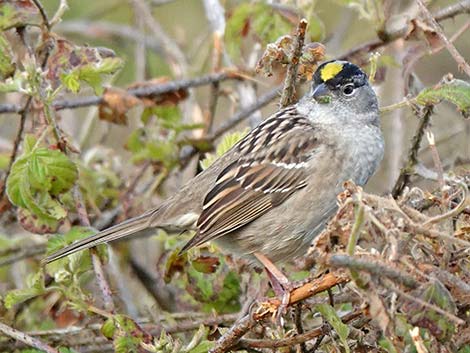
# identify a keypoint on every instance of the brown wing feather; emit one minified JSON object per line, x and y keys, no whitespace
{"x":271,"y":167}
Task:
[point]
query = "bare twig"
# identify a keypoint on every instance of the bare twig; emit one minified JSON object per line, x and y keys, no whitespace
{"x":424,"y":304}
{"x":139,"y":92}
{"x":26,"y":339}
{"x":299,"y":327}
{"x":372,"y":266}
{"x":23,"y":253}
{"x":297,"y":339}
{"x":463,"y":65}
{"x":387,"y":37}
{"x":16,"y":144}
{"x":97,"y":265}
{"x":287,"y":96}
{"x":175,"y":56}
{"x":270,"y":307}
{"x":233,"y":335}
{"x":407,"y":170}
{"x":45,"y":19}
{"x":243,"y":114}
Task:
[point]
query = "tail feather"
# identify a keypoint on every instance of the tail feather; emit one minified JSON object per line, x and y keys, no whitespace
{"x":118,"y":231}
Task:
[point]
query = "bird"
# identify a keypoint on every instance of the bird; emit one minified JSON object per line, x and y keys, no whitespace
{"x":273,"y":192}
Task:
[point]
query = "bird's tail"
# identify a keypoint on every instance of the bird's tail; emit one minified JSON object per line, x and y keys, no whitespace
{"x":129,"y":227}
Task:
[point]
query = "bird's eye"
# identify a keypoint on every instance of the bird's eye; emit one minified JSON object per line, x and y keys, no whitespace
{"x":348,"y":89}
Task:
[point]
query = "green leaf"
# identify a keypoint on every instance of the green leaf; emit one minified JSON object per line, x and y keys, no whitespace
{"x":35,"y":287}
{"x":330,"y":315}
{"x":386,"y":344}
{"x":438,"y":325}
{"x":125,"y":344}
{"x":454,"y":91}
{"x":464,"y":349}
{"x":37,"y":178}
{"x":67,"y":350}
{"x":109,"y":328}
{"x":202,"y":347}
{"x":70,"y":81}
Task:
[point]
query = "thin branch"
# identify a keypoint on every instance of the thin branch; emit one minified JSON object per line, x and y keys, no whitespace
{"x":407,"y":170}
{"x":298,"y":339}
{"x":424,"y":304}
{"x":16,"y":144}
{"x":23,"y":253}
{"x":299,"y":327}
{"x":374,"y":267}
{"x":97,"y":265}
{"x":453,"y":10}
{"x":241,"y":115}
{"x":42,"y":12}
{"x":139,"y":92}
{"x":271,"y":306}
{"x":233,"y":335}
{"x":387,"y":37}
{"x":463,"y":65}
{"x":288,"y":92}
{"x":26,"y":339}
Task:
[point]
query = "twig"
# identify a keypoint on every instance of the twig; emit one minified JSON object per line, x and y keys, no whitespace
{"x":453,"y":10}
{"x":241,"y":115}
{"x":97,"y":265}
{"x":287,"y":96}
{"x":299,"y":327}
{"x":42,"y":12}
{"x":16,"y":144}
{"x":245,"y":113}
{"x":174,"y":55}
{"x":405,"y":172}
{"x":139,"y":92}
{"x":375,"y":267}
{"x":463,"y":65}
{"x":270,"y":307}
{"x":298,"y":339}
{"x":424,"y":304}
{"x":387,"y":37}
{"x":232,"y":336}
{"x":26,"y":339}
{"x":23,"y":253}
{"x":453,"y":212}
{"x":435,"y":157}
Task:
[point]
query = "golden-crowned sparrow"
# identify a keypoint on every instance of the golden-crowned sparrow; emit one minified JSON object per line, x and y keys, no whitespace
{"x":273,"y":192}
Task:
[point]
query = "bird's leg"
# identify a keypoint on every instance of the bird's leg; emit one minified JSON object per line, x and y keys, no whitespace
{"x":280,"y":283}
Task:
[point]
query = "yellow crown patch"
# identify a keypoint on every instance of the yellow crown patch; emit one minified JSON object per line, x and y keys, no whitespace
{"x":330,"y":70}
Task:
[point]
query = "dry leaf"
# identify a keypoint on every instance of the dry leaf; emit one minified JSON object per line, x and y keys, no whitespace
{"x":116,"y":103}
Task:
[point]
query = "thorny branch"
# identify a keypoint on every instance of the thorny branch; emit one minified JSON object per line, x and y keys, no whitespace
{"x":386,"y":37}
{"x":450,"y":47}
{"x":412,"y":161}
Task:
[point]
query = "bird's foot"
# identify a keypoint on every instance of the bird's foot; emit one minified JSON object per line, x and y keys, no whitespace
{"x":279,"y":282}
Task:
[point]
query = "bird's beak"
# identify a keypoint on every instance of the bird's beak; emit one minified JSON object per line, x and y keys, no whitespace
{"x":321,"y":93}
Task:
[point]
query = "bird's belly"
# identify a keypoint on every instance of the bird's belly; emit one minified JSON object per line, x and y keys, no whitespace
{"x":281,"y":237}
